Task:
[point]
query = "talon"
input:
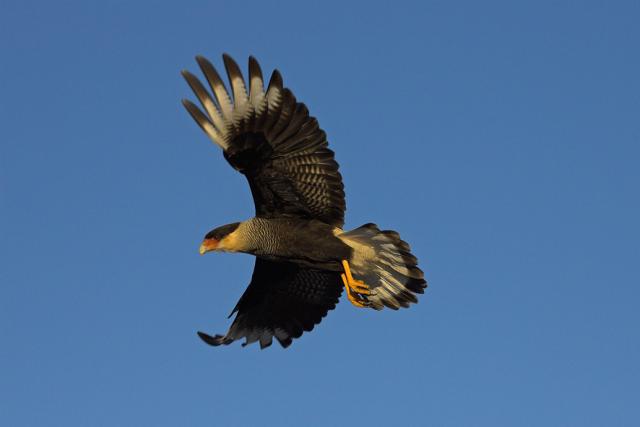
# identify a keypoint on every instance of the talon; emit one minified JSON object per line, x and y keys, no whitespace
{"x":357,"y":290}
{"x":360,"y":304}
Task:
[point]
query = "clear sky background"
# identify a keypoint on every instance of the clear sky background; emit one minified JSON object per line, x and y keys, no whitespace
{"x":501,"y":139}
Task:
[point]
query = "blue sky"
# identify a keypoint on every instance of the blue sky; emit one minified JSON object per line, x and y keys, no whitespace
{"x":501,"y":139}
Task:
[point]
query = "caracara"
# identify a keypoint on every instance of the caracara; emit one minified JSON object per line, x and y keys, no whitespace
{"x":303,"y":256}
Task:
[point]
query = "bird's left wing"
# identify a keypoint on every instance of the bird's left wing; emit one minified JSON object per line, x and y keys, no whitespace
{"x":270,"y":137}
{"x":283,"y":300}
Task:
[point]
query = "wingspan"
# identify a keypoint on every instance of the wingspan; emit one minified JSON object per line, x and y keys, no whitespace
{"x":283,"y":300}
{"x":272,"y":140}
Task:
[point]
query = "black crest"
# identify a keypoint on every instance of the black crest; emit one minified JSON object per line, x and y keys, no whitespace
{"x":222,"y":231}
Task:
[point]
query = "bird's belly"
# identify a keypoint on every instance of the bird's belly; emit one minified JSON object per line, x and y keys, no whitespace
{"x":309,"y":243}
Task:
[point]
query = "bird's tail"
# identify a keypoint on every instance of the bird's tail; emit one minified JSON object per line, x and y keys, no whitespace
{"x":384,"y":262}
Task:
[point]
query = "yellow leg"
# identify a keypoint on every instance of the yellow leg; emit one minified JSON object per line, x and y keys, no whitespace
{"x":357,"y":290}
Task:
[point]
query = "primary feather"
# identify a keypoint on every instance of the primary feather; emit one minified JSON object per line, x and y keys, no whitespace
{"x":272,"y":140}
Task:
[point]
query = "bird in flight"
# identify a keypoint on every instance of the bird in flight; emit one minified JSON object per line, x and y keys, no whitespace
{"x":304,"y":258}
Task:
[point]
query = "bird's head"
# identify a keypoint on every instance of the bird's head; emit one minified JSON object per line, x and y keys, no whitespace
{"x":223,"y":239}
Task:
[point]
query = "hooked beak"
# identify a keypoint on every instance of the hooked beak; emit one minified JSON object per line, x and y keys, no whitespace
{"x":208,"y":245}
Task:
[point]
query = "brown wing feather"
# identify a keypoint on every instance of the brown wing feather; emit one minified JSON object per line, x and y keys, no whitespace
{"x":272,"y":140}
{"x":283,"y":300}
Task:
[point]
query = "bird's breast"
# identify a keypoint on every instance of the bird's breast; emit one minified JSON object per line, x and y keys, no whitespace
{"x":306,"y":241}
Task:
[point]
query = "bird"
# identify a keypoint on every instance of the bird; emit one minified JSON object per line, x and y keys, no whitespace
{"x":303,"y":256}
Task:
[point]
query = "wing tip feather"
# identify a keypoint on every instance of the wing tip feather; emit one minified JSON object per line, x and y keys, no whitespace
{"x":214,"y":341}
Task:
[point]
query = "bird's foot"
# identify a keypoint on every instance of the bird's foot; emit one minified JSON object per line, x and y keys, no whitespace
{"x":357,"y":290}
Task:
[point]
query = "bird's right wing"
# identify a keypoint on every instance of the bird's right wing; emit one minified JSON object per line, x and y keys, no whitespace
{"x":270,"y":138}
{"x":283,"y":300}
